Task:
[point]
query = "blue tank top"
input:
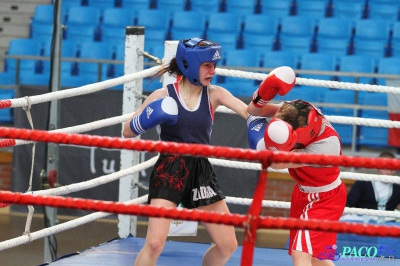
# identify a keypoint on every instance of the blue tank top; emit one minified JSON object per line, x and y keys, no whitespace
{"x":193,"y":126}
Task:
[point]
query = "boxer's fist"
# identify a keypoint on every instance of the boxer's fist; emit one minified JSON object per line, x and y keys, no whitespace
{"x":255,"y":133}
{"x":162,"y":110}
{"x":279,"y":136}
{"x":279,"y":81}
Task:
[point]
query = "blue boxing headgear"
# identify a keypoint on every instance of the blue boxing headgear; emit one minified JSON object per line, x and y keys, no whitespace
{"x":191,"y":53}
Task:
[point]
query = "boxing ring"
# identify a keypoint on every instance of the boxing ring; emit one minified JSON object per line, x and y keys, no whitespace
{"x":123,"y":250}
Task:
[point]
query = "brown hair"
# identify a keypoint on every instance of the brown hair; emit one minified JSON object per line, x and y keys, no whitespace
{"x":295,"y":113}
{"x":171,"y":68}
{"x":387,"y":154}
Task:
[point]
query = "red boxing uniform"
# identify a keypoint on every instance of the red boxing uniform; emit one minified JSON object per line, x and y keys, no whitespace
{"x":320,"y":194}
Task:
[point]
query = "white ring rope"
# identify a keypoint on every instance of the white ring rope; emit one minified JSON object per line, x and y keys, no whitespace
{"x":90,"y":88}
{"x":343,"y":175}
{"x":311,"y":82}
{"x":61,"y":227}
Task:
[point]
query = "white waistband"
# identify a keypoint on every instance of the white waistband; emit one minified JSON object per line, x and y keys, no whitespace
{"x":325,"y":188}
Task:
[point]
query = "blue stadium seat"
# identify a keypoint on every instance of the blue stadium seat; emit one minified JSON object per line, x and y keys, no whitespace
{"x":157,"y":30}
{"x":171,"y":5}
{"x":310,"y":94}
{"x":224,"y":23}
{"x":96,"y":50}
{"x":83,"y":15}
{"x":260,"y":24}
{"x":228,"y":41}
{"x":113,"y":34}
{"x":240,"y":7}
{"x":318,"y":62}
{"x":68,"y":48}
{"x":333,"y":46}
{"x":69,"y":3}
{"x":101,"y":3}
{"x":388,"y":65}
{"x":135,"y":4}
{"x":210,"y":6}
{"x":260,"y":43}
{"x":394,"y":48}
{"x":340,"y":97}
{"x":184,"y":26}
{"x":358,"y":64}
{"x":298,"y":26}
{"x":43,"y":14}
{"x":21,"y":47}
{"x":374,"y":48}
{"x":118,"y":17}
{"x":333,"y":28}
{"x":279,"y":8}
{"x":6,"y":114}
{"x":350,"y":10}
{"x":273,"y":59}
{"x":313,"y":8}
{"x":383,"y":10}
{"x":374,"y":136}
{"x":372,"y":29}
{"x":82,"y":33}
{"x":299,"y":45}
{"x":39,"y":31}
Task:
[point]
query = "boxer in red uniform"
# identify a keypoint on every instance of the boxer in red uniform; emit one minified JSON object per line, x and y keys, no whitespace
{"x":298,"y":126}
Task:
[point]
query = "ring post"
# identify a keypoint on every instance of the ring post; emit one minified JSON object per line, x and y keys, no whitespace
{"x":128,"y":189}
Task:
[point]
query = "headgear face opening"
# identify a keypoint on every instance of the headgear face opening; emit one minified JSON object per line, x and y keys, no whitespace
{"x":191,"y":53}
{"x":295,"y":134}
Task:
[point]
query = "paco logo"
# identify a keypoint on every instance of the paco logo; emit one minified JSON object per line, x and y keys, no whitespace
{"x":363,"y":253}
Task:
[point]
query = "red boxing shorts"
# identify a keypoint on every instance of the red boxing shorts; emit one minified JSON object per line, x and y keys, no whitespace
{"x":318,"y":205}
{"x":186,"y":179}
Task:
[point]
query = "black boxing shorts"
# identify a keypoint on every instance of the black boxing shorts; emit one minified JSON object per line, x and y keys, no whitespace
{"x":184,"y":179}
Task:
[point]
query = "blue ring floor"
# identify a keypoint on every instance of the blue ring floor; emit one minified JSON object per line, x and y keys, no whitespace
{"x":121,"y":252}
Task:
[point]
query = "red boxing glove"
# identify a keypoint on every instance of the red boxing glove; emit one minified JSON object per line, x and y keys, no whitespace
{"x":279,"y":81}
{"x":279,"y":136}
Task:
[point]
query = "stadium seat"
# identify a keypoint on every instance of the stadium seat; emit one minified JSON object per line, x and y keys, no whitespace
{"x":83,"y":15}
{"x":82,"y":33}
{"x":374,"y":48}
{"x":394,"y":49}
{"x":210,"y":6}
{"x":100,"y":3}
{"x":357,"y":64}
{"x":171,"y":5}
{"x":21,"y":47}
{"x":228,"y":41}
{"x":340,"y":97}
{"x":372,"y":29}
{"x":347,"y":9}
{"x":120,"y":17}
{"x":184,"y":26}
{"x":43,"y":14}
{"x":41,"y":31}
{"x":6,"y":114}
{"x":383,"y":10}
{"x":388,"y":65}
{"x":96,"y":50}
{"x":240,"y":7}
{"x":224,"y":23}
{"x":374,"y":136}
{"x":113,"y":34}
{"x":260,"y":43}
{"x":318,"y":62}
{"x":333,"y":28}
{"x":299,"y":45}
{"x":298,"y":26}
{"x":278,"y":8}
{"x":307,"y":93}
{"x":135,"y":4}
{"x":69,"y":3}
{"x":312,"y":8}
{"x":333,"y":46}
{"x":29,"y":77}
{"x":273,"y":59}
{"x":260,"y":24}
{"x":157,"y":30}
{"x":68,"y":48}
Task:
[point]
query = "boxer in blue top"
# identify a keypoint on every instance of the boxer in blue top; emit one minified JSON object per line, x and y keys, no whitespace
{"x":184,"y":112}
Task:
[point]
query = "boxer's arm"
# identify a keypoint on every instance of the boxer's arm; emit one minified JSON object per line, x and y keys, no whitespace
{"x":279,"y":81}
